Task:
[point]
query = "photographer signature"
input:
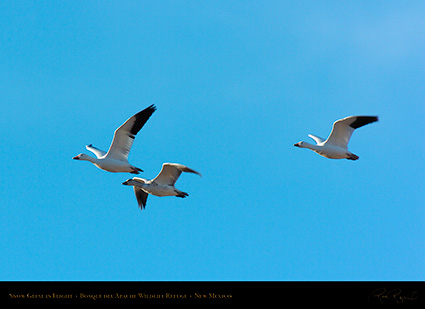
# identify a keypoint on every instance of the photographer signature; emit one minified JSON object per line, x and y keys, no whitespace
{"x":394,"y":295}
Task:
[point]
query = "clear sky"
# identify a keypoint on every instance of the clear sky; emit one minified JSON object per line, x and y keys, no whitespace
{"x":236,"y":84}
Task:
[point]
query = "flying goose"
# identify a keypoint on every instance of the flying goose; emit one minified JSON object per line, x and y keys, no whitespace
{"x":116,"y":159}
{"x":335,"y":147}
{"x":161,"y":185}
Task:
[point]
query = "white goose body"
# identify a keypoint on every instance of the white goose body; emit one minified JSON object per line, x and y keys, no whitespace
{"x":151,"y":187}
{"x":336,"y":145}
{"x":330,"y":151}
{"x":161,"y":185}
{"x":115,"y":160}
{"x":111,"y":165}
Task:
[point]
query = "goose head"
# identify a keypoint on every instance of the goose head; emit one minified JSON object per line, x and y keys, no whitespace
{"x":82,"y":156}
{"x":134,"y":182}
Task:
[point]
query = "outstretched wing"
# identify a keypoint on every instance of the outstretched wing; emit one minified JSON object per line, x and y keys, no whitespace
{"x":343,"y":129}
{"x":141,"y":197}
{"x":125,"y":134}
{"x":99,"y":153}
{"x":317,"y":139}
{"x":170,"y":172}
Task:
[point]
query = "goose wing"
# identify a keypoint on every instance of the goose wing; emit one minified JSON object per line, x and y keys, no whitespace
{"x":317,"y":139}
{"x":343,"y":129}
{"x":141,"y":197}
{"x":125,"y":134}
{"x":170,"y":172}
{"x":99,"y":153}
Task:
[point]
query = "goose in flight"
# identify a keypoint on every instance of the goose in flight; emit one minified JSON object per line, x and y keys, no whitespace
{"x":161,"y":185}
{"x":335,"y":147}
{"x":116,"y":159}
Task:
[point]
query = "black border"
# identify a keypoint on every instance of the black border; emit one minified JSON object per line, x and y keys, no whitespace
{"x":212,"y":292}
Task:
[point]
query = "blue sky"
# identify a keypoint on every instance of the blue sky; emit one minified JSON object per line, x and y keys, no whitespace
{"x":236,"y":84}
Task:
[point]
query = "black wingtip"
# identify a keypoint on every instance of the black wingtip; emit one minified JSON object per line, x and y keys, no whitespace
{"x":141,"y":118}
{"x":363,"y":120}
{"x":152,"y":107}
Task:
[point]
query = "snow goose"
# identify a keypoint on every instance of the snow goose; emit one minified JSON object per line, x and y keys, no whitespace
{"x":335,"y":147}
{"x":161,"y":185}
{"x":116,"y":159}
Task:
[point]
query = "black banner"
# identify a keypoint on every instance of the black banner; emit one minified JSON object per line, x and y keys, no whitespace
{"x":201,"y":293}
